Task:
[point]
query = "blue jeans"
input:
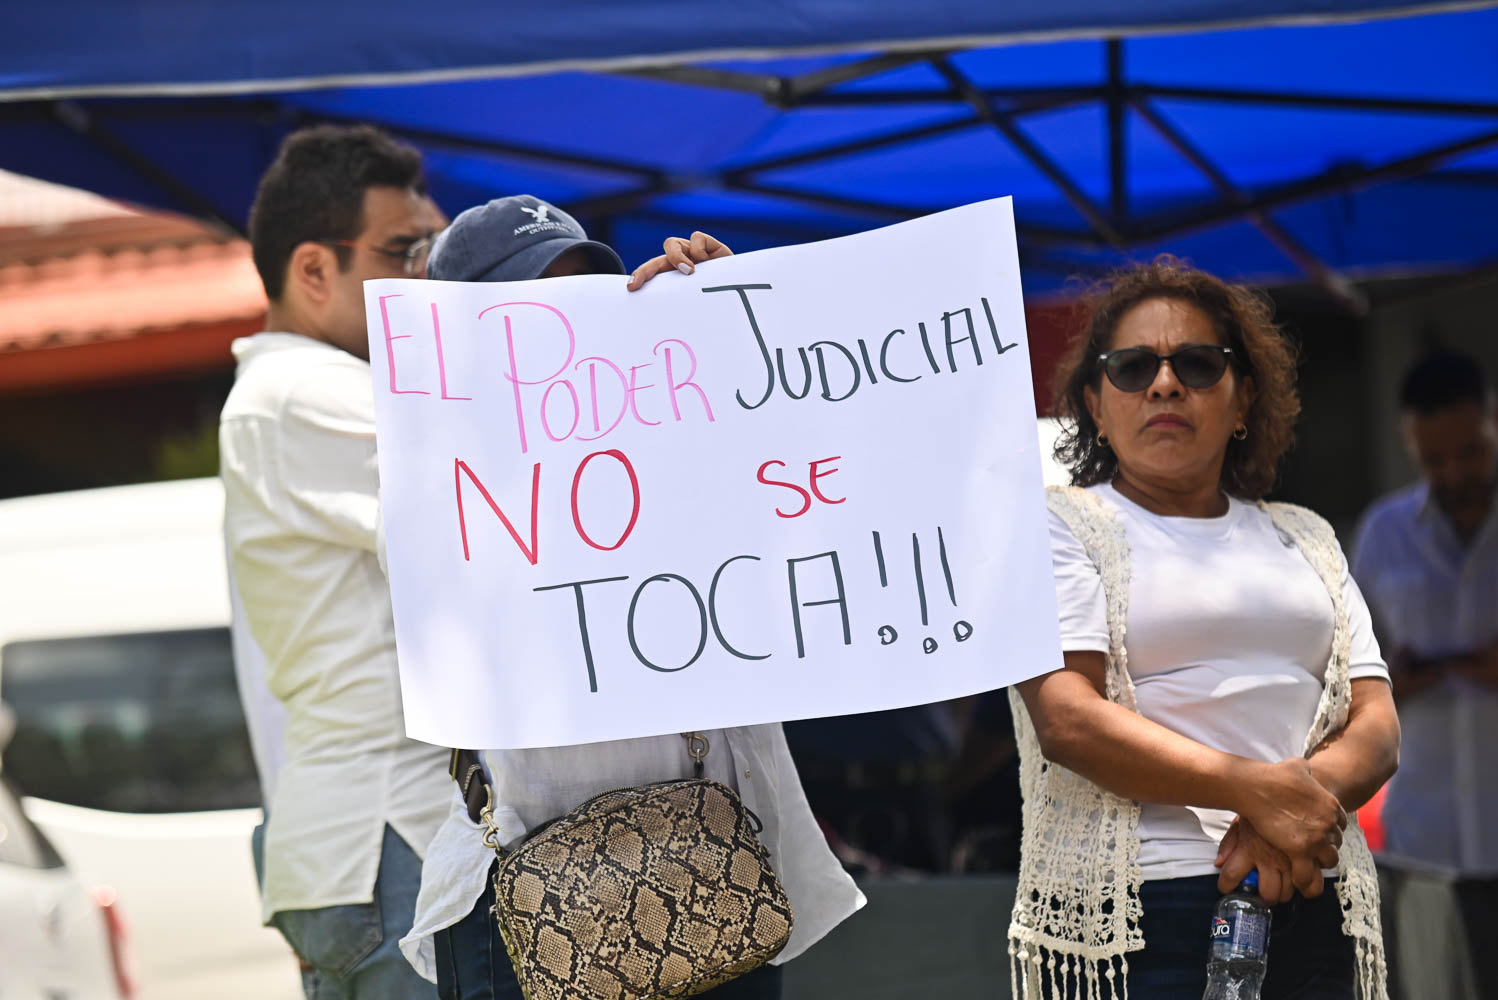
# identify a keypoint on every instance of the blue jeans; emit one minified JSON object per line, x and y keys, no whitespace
{"x":349,"y":952}
{"x":1309,"y":956}
{"x":472,"y":964}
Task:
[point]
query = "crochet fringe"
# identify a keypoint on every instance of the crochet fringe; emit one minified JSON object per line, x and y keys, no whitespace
{"x":1373,"y":974}
{"x":1034,"y":970}
{"x":1037,"y":972}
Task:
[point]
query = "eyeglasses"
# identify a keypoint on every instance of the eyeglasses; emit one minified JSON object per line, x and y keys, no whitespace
{"x":413,"y":258}
{"x":1133,"y":369}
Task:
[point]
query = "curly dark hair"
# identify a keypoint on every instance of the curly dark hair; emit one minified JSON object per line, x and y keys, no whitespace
{"x":315,"y":191}
{"x":1243,"y":319}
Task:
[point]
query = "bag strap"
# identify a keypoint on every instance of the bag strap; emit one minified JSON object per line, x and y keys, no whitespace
{"x":466,"y":769}
{"x":468,"y":772}
{"x":697,"y":748}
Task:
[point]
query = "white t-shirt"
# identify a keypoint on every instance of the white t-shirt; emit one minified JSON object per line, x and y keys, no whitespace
{"x":1229,"y":631}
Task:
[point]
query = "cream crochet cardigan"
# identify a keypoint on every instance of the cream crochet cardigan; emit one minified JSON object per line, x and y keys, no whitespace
{"x":1076,"y":910}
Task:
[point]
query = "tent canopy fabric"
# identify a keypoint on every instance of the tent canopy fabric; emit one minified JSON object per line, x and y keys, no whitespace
{"x":97,"y":46}
{"x":1330,"y":151}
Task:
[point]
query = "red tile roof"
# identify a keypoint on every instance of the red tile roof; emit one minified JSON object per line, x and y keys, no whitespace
{"x":91,"y":290}
{"x":95,"y":295}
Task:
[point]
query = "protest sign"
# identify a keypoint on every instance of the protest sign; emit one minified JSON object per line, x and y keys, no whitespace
{"x":799,"y":482}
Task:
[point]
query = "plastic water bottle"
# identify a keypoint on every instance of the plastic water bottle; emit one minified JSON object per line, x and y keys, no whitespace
{"x":1239,"y":952}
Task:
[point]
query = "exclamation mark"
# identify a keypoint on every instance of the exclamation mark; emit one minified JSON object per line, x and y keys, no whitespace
{"x":887,"y":633}
{"x":961,"y":630}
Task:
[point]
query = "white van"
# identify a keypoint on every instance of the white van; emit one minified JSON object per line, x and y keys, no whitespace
{"x":130,"y":740}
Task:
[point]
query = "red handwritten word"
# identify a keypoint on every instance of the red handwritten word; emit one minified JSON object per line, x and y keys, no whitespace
{"x":532,"y":551}
{"x":814,"y":474}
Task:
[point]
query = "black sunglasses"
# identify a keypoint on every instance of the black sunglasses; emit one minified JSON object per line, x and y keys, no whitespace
{"x":1133,"y":369}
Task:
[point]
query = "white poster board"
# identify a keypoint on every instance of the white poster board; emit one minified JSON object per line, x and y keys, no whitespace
{"x":800,"y":482}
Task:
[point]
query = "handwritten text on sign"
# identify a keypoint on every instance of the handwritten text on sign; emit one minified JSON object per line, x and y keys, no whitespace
{"x":801,"y":482}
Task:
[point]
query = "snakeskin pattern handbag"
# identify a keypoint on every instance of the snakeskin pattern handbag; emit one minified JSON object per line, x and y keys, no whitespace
{"x":662,"y":890}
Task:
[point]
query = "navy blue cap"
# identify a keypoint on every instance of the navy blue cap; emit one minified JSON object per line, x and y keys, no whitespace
{"x":512,"y":239}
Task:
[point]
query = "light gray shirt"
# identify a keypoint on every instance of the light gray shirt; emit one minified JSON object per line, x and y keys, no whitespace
{"x":1437,"y":597}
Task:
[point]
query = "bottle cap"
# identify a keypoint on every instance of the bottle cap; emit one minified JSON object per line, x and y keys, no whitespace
{"x":1252,"y":879}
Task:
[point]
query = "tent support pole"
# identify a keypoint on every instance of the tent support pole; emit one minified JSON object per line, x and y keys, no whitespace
{"x":1021,"y":98}
{"x":434,"y":138}
{"x":1334,"y":181}
{"x":1118,"y":177}
{"x":76,"y":118}
{"x":881,"y":213}
{"x":916,"y":134}
{"x":1341,"y":289}
{"x":857,"y":146}
{"x":1345,"y":102}
{"x":1035,"y":235}
{"x":1027,"y":148}
{"x":810,"y":84}
{"x":758,"y":84}
{"x":782,"y":91}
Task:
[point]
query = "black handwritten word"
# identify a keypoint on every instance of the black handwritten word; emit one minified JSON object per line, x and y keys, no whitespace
{"x":707,"y":612}
{"x":815,"y":600}
{"x":532,"y":551}
{"x":813,"y":475}
{"x":860,"y":366}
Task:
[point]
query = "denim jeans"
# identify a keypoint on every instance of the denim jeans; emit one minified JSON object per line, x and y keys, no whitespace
{"x":349,"y":952}
{"x":472,"y":964}
{"x":1309,"y":956}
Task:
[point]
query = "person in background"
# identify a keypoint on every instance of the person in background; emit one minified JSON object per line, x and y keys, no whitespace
{"x":1427,"y":557}
{"x":355,"y":802}
{"x":1222,"y":705}
{"x":456,"y":940}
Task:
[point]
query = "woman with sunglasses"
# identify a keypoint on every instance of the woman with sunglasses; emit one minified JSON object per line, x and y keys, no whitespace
{"x":1223,"y":706}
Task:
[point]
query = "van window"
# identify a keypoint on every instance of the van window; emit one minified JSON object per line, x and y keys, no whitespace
{"x":141,"y":723}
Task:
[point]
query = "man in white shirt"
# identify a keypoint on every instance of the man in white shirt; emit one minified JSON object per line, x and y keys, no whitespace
{"x":355,"y":803}
{"x":1427,"y":559}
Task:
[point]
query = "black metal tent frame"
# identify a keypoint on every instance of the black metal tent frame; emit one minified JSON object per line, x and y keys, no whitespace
{"x":1112,"y":226}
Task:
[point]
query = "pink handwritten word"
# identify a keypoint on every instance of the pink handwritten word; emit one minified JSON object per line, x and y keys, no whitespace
{"x":555,"y":397}
{"x":390,"y":339}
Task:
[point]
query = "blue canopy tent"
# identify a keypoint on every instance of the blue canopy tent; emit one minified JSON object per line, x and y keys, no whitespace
{"x":1334,"y":140}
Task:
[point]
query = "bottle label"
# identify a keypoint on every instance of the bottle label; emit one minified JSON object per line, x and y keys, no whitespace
{"x":1244,"y":935}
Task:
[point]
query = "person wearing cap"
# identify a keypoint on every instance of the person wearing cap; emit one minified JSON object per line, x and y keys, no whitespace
{"x":455,"y":941}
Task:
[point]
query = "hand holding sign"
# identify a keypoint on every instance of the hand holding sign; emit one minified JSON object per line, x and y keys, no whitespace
{"x":681,"y":254}
{"x":802,"y":482}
